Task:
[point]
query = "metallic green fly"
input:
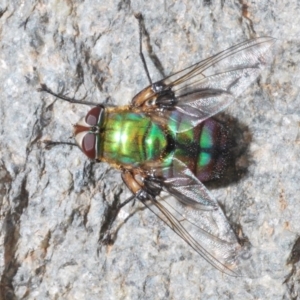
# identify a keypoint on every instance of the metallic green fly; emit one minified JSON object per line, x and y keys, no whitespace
{"x":165,"y":140}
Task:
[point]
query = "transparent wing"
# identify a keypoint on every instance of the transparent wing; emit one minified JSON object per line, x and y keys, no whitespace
{"x":207,"y":232}
{"x":197,"y":218}
{"x":209,"y":86}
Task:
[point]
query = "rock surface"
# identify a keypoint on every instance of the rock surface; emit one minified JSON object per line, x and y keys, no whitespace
{"x":55,"y":206}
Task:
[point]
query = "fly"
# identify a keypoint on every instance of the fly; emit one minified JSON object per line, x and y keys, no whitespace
{"x":165,"y":140}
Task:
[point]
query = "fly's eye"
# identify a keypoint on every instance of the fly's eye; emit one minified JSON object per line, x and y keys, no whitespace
{"x":94,"y":116}
{"x":88,"y":145}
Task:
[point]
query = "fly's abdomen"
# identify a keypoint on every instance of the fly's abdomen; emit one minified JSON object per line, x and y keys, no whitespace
{"x":131,"y":139}
{"x":204,"y":149}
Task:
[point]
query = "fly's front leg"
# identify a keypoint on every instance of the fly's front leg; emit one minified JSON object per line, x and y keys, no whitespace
{"x":142,"y":186}
{"x":44,"y":88}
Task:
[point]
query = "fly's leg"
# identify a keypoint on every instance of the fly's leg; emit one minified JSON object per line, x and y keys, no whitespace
{"x":139,"y":17}
{"x":133,"y":183}
{"x":44,"y":88}
{"x":49,"y":144}
{"x":133,"y":197}
{"x":142,"y":187}
{"x":157,"y":94}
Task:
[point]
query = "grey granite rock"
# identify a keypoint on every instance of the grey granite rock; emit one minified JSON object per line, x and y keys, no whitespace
{"x":55,"y":206}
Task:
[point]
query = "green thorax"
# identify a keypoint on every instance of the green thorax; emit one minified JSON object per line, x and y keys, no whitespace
{"x":131,"y":138}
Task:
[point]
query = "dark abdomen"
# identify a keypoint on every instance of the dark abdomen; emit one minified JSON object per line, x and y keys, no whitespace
{"x":204,"y":149}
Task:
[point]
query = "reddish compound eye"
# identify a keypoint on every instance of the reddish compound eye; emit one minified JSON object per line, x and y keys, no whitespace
{"x":87,"y":132}
{"x":89,"y":145}
{"x":93,"y":116}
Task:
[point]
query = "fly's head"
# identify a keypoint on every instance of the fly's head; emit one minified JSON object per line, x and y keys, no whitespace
{"x":87,"y":132}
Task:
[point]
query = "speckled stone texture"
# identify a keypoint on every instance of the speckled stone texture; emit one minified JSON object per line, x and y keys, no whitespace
{"x":56,"y":205}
